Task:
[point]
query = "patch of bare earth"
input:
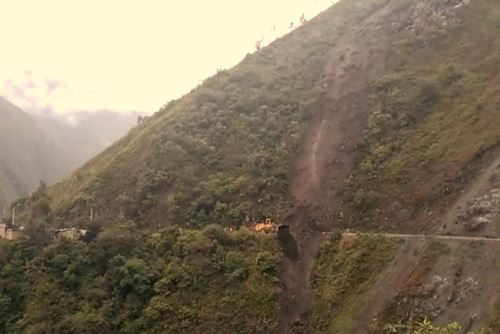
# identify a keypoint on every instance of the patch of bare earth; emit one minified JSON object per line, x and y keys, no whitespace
{"x":442,"y":279}
{"x":477,"y":209}
{"x":326,"y":159}
{"x":458,"y":283}
{"x":408,"y":257}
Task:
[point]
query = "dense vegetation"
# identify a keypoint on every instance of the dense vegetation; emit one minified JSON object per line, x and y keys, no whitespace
{"x":126,"y":281}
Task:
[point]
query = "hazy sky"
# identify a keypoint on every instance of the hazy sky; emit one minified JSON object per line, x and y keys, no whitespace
{"x":62,"y":55}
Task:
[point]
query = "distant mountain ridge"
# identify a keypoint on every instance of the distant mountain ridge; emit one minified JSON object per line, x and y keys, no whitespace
{"x":28,"y":153}
{"x":84,"y":134}
{"x":34,"y":148}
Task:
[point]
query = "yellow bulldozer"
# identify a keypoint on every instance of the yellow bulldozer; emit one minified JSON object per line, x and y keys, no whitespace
{"x":266,"y":226}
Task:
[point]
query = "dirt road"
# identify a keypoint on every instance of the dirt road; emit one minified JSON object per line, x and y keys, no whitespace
{"x":425,"y":236}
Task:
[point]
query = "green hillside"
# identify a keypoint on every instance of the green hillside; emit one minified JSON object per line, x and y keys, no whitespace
{"x":222,"y":153}
{"x":434,"y":123}
{"x":127,"y":282}
{"x":377,"y":115}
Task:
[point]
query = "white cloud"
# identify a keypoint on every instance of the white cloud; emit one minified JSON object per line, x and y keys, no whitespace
{"x":128,"y":55}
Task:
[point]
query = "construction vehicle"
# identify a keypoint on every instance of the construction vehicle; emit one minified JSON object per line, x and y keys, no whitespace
{"x":265,"y":226}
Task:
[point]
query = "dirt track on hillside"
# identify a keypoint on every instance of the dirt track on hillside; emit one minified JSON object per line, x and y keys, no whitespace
{"x":438,"y":237}
{"x":326,"y":159}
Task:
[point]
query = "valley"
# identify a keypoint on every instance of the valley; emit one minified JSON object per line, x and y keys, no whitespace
{"x":36,"y":148}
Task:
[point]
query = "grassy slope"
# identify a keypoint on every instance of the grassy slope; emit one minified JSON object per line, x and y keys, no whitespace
{"x":435,"y":117}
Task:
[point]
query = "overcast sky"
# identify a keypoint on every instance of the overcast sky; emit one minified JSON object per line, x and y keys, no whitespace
{"x":128,"y":55}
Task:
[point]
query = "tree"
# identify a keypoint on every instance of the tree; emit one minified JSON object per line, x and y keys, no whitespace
{"x":303,"y":19}
{"x":258,"y":44}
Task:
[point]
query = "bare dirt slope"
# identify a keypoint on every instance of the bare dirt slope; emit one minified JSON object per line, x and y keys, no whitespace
{"x":382,"y":292}
{"x":326,"y":159}
{"x":460,"y":284}
{"x":477,"y":209}
{"x":445,"y":279}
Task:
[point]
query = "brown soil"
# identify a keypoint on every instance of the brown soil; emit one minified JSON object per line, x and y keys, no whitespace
{"x":326,"y":159}
{"x":442,"y":278}
{"x":476,"y":211}
{"x":457,"y":284}
{"x":383,"y":290}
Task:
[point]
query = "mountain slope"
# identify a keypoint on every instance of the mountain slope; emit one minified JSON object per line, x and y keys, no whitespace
{"x":377,"y":115}
{"x":348,"y":89}
{"x":28,"y":154}
{"x":35,"y":148}
{"x":82,"y":135}
{"x":223,"y":152}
